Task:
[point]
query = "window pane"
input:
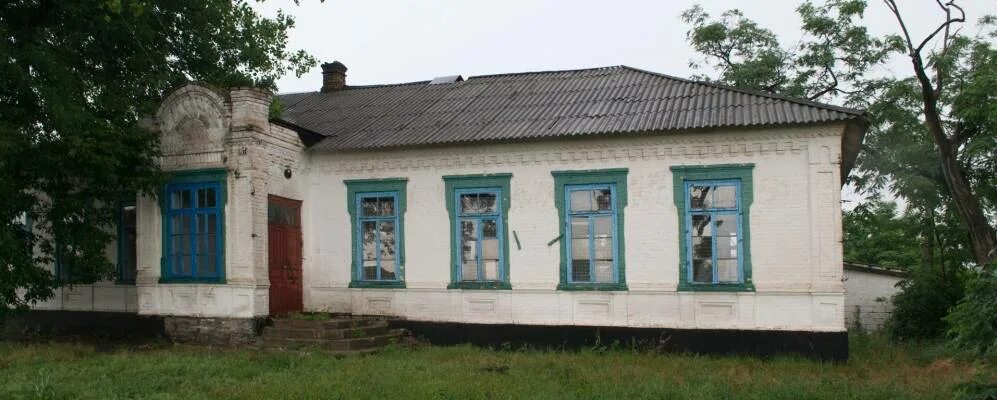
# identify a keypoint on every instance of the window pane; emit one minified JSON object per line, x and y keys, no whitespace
{"x":202,"y":197}
{"x":580,"y":250}
{"x":489,"y":228}
{"x":369,"y":240}
{"x":581,"y":200}
{"x":701,"y":225}
{"x":702,"y":248}
{"x":388,"y":248}
{"x":212,"y":194}
{"x":386,"y":205}
{"x":702,"y":271}
{"x":603,"y":199}
{"x":727,"y":270}
{"x":604,"y":249}
{"x":185,"y":199}
{"x":212,"y":241}
{"x":469,"y":249}
{"x":212,"y":227}
{"x":725,"y":196}
{"x":370,"y":270}
{"x":387,"y":243}
{"x":175,"y":199}
{"x":579,"y":227}
{"x":727,"y":246}
{"x":603,"y":226}
{"x":469,"y":270}
{"x":700,"y":196}
{"x":491,"y":268}
{"x":469,"y":203}
{"x":727,"y":225}
{"x":580,"y":270}
{"x":487,"y":203}
{"x":369,"y":207}
{"x":604,"y":272}
{"x":490,"y":249}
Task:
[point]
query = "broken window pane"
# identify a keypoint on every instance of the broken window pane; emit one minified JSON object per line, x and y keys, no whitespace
{"x":487,"y":203}
{"x":603,"y":199}
{"x":701,"y":225}
{"x":699,"y":196}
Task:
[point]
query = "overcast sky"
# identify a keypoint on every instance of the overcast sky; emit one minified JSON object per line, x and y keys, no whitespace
{"x":384,"y":41}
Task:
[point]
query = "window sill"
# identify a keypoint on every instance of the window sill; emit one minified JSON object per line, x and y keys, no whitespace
{"x":210,"y":281}
{"x":730,"y":287}
{"x":480,"y":285}
{"x":377,"y":284}
{"x":126,"y":282}
{"x":592,"y":286}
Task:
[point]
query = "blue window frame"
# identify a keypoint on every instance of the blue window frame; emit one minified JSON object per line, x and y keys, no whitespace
{"x":377,"y":228}
{"x":193,"y":232}
{"x":714,"y":236}
{"x":590,"y":233}
{"x":480,"y":224}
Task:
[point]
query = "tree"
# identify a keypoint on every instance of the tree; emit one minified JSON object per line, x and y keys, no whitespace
{"x":951,"y":132}
{"x":934,"y":147}
{"x":875,"y":235}
{"x":75,"y":79}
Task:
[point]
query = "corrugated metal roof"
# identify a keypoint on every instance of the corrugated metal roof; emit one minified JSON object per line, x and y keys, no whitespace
{"x":598,"y":101}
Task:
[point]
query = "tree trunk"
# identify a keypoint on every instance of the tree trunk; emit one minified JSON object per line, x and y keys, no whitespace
{"x":928,"y":242}
{"x":981,"y":234}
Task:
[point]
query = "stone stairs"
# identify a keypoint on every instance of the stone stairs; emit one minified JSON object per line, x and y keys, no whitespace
{"x":339,"y":335}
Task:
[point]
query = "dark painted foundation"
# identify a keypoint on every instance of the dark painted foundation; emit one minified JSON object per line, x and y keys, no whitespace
{"x":830,"y":346}
{"x":83,"y":324}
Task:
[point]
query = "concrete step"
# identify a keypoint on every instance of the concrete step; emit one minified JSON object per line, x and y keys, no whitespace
{"x":338,"y":323}
{"x":372,"y":342}
{"x":325,"y":333}
{"x":360,"y":343}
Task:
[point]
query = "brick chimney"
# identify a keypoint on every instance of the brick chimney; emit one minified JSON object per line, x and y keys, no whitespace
{"x":333,"y":76}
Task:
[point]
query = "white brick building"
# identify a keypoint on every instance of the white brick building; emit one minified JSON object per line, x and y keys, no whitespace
{"x":608,"y":197}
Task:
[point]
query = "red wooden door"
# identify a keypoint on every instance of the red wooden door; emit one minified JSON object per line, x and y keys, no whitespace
{"x":284,"y":220}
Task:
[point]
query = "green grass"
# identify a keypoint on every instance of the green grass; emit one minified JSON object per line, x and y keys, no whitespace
{"x":877,"y":370}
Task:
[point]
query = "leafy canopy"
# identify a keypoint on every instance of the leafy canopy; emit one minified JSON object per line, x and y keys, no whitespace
{"x":75,"y":78}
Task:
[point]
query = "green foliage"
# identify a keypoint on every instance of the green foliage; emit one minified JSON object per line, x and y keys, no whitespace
{"x":875,"y":235}
{"x":974,"y":320}
{"x":877,"y":369}
{"x":925,"y":299}
{"x":75,"y":79}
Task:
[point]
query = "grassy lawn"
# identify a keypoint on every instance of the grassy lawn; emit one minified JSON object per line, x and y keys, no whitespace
{"x":876,"y":370}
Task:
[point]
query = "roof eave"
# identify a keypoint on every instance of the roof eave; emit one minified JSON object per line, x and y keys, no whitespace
{"x":307,"y":136}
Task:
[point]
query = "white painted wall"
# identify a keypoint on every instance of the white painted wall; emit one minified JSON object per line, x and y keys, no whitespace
{"x":868,"y":298}
{"x":795,"y":233}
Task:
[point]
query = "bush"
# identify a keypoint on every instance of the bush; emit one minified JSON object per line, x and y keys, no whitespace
{"x":973,"y":321}
{"x":926,"y":297}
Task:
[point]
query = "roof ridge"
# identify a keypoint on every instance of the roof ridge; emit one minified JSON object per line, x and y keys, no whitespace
{"x":552,"y":71}
{"x":753,"y":92}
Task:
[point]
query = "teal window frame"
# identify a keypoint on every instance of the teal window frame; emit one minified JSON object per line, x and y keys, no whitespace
{"x":739,"y":175}
{"x":478,"y":183}
{"x":125,"y":275}
{"x":357,"y":189}
{"x":193,"y":180}
{"x":564,"y":181}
